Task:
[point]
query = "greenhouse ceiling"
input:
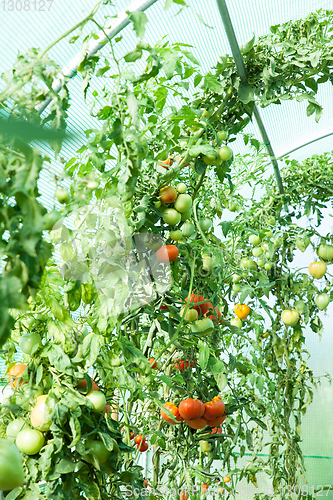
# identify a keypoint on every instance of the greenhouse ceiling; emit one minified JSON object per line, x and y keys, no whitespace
{"x":199,"y":25}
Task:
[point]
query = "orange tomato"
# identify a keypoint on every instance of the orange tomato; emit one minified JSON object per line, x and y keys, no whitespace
{"x":220,"y":491}
{"x":214,"y":409}
{"x":191,"y":408}
{"x":197,"y":423}
{"x":216,"y":430}
{"x":146,"y":483}
{"x":167,"y":253}
{"x":15,"y":373}
{"x":140,"y":439}
{"x":226,"y":479}
{"x":183,"y":495}
{"x":83,"y":384}
{"x":168,"y":194}
{"x":174,"y":410}
{"x":204,"y":488}
{"x":242,"y":311}
{"x":165,"y":164}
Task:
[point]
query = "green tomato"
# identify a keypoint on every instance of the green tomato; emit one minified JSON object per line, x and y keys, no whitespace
{"x":290,"y":318}
{"x":25,"y":394}
{"x":50,"y":219}
{"x":11,"y":468}
{"x":268,"y":266}
{"x":248,"y":263}
{"x":98,"y":400}
{"x":10,"y":346}
{"x":171,"y":216}
{"x":191,"y":314}
{"x":186,"y":215}
{"x":325,"y":252}
{"x":225,"y":153}
{"x":254,"y":239}
{"x":260,"y":262}
{"x":176,"y":235}
{"x":232,"y":206}
{"x":29,"y":341}
{"x":271,"y":221}
{"x":62,"y":195}
{"x":202,"y":325}
{"x":158,"y":203}
{"x":222,"y":135}
{"x":14,"y":427}
{"x":207,"y":263}
{"x":299,"y":305}
{"x":257,"y":251}
{"x":30,"y":441}
{"x":92,"y":185}
{"x":211,"y":159}
{"x":302,"y":243}
{"x":236,"y":288}
{"x":268,"y":233}
{"x":205,"y":224}
{"x":205,"y":446}
{"x":183,"y":203}
{"x":322,"y":300}
{"x":236,"y":278}
{"x":98,"y":449}
{"x":181,"y":188}
{"x":277,"y":243}
{"x":187,"y":229}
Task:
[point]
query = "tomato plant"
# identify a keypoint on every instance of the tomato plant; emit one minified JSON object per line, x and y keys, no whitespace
{"x":11,"y":470}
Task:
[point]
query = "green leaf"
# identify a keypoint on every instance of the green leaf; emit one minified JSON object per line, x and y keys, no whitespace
{"x":170,"y":63}
{"x":221,"y":380}
{"x":75,"y":426}
{"x":249,"y":440}
{"x":203,"y":356}
{"x":133,"y":56}
{"x":139,"y":20}
{"x":315,"y":58}
{"x":212,"y":84}
{"x":246,"y":92}
{"x":167,"y":380}
{"x":65,"y":466}
{"x":226,"y":225}
{"x":197,"y":80}
{"x":133,"y":107}
{"x":91,"y":490}
{"x":232,"y":363}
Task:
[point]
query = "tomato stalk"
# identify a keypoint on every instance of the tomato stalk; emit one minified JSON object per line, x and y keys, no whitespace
{"x":198,"y":225}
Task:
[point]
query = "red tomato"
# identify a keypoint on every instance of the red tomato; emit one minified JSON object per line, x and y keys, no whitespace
{"x":152,"y":363}
{"x":216,"y":430}
{"x":164,"y":308}
{"x":182,"y":365}
{"x":214,"y":409}
{"x":191,"y":408}
{"x":197,"y":423}
{"x":174,"y":410}
{"x":146,"y":483}
{"x":143,"y":447}
{"x":200,"y":308}
{"x":167,"y":253}
{"x":215,"y":316}
{"x":217,"y":421}
{"x":140,"y":439}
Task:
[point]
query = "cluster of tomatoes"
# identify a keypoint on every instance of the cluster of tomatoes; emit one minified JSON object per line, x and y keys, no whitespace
{"x":29,"y":436}
{"x":176,"y":207}
{"x":195,"y":413}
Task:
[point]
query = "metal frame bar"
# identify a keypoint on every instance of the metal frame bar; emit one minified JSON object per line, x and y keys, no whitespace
{"x":121,"y":21}
{"x":238,"y":58}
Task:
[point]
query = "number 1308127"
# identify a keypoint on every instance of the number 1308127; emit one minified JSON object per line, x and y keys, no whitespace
{"x":26,"y":5}
{"x":305,"y":490}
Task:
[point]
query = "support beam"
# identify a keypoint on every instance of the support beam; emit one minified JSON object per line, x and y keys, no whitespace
{"x":121,"y":21}
{"x":238,"y":58}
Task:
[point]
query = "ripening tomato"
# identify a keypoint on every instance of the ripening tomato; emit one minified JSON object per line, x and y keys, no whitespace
{"x":183,"y":495}
{"x":203,"y":326}
{"x":197,"y":423}
{"x":38,"y":416}
{"x":214,"y":409}
{"x":290,"y":318}
{"x":166,"y":163}
{"x":190,"y":315}
{"x":325,"y":252}
{"x":83,"y":384}
{"x":317,"y":269}
{"x":15,"y":373}
{"x":11,"y":469}
{"x":242,"y":311}
{"x":168,"y":194}
{"x":175,"y":412}
{"x":216,"y":316}
{"x":236,"y":322}
{"x":167,"y":253}
{"x":191,"y":408}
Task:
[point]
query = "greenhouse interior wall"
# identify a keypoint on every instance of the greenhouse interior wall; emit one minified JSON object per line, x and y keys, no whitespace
{"x":286,"y":125}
